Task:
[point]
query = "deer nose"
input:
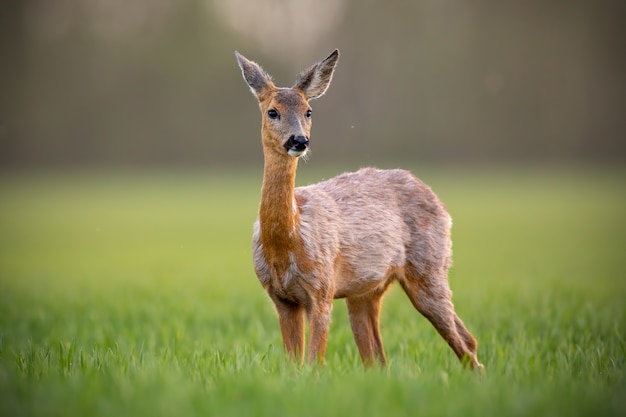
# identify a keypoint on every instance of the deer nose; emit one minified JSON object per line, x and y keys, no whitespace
{"x":300,"y":143}
{"x":297,"y":143}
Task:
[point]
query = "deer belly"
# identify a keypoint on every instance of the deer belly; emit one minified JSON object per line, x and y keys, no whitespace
{"x":358,"y":279}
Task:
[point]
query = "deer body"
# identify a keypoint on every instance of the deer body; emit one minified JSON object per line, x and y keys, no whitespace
{"x":348,"y":237}
{"x":366,"y":234}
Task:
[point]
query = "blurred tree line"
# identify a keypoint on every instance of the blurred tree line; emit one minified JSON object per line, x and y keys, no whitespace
{"x":155,"y":82}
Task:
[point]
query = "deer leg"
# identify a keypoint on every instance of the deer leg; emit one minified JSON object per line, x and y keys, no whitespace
{"x":432,"y":297}
{"x":291,"y":320}
{"x":467,"y":337}
{"x":319,"y":314}
{"x":364,"y":313}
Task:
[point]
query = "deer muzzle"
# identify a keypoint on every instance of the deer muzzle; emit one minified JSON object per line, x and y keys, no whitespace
{"x":296,"y":145}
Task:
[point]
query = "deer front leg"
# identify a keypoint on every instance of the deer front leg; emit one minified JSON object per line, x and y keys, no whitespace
{"x":319,"y":321}
{"x":291,"y":320}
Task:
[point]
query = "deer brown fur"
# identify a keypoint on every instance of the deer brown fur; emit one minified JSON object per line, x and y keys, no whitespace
{"x":348,"y":237}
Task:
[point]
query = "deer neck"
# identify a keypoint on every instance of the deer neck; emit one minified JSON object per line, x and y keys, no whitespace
{"x":278,"y":213}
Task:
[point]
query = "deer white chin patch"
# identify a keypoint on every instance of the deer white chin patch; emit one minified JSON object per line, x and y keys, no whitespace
{"x":296,"y":153}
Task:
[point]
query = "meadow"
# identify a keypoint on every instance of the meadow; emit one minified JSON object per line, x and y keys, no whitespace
{"x":133,"y":294}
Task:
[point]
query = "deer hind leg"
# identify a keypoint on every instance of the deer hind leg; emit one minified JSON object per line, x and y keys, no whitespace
{"x":364,"y":313}
{"x":291,"y":320}
{"x":432,"y":297}
{"x":319,"y":314}
{"x":467,"y":337}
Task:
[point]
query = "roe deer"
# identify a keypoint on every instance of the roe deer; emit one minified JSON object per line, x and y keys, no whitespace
{"x":347,"y":237}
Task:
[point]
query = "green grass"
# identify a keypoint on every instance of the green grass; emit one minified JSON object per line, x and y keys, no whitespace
{"x":135,"y":295}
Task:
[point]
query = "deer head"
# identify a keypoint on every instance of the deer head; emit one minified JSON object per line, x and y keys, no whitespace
{"x":286,"y":123}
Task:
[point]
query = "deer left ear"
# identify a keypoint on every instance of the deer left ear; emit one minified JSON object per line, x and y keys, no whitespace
{"x":314,"y":82}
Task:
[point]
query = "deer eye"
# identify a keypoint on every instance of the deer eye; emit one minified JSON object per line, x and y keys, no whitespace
{"x":272,"y":114}
{"x":308,"y":114}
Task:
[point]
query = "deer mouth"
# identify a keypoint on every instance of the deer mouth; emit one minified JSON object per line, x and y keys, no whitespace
{"x":295,"y":153}
{"x":296,"y":145}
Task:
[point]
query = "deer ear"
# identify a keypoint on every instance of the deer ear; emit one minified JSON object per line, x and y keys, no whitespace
{"x":314,"y":81}
{"x":257,"y":79}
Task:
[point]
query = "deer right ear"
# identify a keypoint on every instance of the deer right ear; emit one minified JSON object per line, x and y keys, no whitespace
{"x":258,"y":80}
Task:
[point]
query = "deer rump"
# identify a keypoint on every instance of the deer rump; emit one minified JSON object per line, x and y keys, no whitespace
{"x":359,"y":232}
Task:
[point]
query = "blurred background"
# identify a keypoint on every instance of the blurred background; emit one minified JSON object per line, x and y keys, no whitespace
{"x":154,"y":83}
